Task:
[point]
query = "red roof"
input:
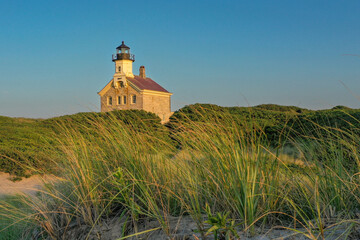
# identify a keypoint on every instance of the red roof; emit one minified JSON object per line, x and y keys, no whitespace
{"x":146,"y":83}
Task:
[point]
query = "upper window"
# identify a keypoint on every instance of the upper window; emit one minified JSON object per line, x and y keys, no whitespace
{"x":133,"y":99}
{"x":120,"y":84}
{"x":109,"y":101}
{"x":119,"y":69}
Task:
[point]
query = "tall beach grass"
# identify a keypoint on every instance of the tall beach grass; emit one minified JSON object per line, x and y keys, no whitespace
{"x":117,"y":170}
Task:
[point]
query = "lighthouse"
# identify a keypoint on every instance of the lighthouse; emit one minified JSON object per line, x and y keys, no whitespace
{"x":129,"y":91}
{"x":123,"y":60}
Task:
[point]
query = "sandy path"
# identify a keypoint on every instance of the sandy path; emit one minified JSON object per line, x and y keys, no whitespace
{"x":27,"y":185}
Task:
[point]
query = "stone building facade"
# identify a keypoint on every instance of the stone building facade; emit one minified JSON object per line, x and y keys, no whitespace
{"x":128,"y":91}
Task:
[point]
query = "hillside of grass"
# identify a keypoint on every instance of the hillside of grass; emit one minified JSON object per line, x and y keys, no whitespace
{"x":258,"y":116}
{"x":216,"y":167}
{"x":269,"y":115}
{"x":30,"y":144}
{"x":22,"y":144}
{"x":279,"y":123}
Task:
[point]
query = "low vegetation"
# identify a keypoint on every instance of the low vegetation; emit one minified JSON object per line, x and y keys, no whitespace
{"x":230,"y":170}
{"x":27,"y":145}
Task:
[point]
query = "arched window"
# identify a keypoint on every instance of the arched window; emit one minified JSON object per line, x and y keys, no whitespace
{"x":120,"y":84}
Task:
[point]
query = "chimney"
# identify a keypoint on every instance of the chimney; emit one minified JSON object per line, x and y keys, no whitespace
{"x":142,"y":72}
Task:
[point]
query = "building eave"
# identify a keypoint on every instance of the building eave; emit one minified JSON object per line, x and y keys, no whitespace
{"x":136,"y":88}
{"x":106,"y":88}
{"x":151,"y":92}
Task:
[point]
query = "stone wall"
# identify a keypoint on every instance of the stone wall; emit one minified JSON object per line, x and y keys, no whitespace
{"x":114,"y":93}
{"x":160,"y":105}
{"x":156,"y":103}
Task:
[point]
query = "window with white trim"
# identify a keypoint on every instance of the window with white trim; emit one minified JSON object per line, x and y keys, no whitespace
{"x":109,"y":101}
{"x":133,"y":99}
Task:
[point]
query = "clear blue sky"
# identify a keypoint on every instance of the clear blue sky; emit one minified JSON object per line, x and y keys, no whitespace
{"x":56,"y":55}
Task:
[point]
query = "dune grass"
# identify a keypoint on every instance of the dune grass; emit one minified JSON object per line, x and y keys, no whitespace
{"x":15,"y":218}
{"x":115,"y":170}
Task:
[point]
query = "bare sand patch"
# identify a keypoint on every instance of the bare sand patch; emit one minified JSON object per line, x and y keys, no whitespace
{"x":29,"y":185}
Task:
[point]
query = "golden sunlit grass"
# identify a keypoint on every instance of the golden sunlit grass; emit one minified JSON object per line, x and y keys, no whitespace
{"x":119,"y":171}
